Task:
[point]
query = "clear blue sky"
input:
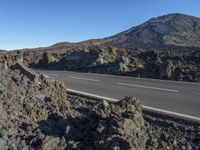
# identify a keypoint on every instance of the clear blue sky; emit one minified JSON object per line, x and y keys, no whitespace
{"x":34,"y":23}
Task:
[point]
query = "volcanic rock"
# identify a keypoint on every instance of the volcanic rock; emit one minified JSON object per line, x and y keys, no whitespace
{"x":109,"y":126}
{"x":39,"y":115}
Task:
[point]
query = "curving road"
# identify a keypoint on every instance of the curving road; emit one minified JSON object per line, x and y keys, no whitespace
{"x":180,"y":97}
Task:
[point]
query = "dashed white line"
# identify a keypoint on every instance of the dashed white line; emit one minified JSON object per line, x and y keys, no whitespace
{"x":137,"y":78}
{"x":79,"y":78}
{"x":147,"y":87}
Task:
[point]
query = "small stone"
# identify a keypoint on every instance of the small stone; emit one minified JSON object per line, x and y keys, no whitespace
{"x":67,"y":129}
{"x":183,"y":147}
{"x":189,"y":147}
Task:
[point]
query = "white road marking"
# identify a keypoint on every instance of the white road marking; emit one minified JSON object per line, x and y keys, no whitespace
{"x":51,"y":74}
{"x":145,"y":107}
{"x":93,"y":95}
{"x":171,"y":113}
{"x":129,"y":77}
{"x":79,"y":78}
{"x":147,"y":87}
{"x":137,"y":78}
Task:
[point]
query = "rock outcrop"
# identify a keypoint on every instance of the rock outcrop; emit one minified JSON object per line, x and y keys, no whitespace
{"x":177,"y":65}
{"x":23,"y":104}
{"x":25,"y":71}
{"x":163,"y":132}
{"x":47,"y":59}
{"x":166,"y":70}
{"x":109,"y":126}
{"x":39,"y":115}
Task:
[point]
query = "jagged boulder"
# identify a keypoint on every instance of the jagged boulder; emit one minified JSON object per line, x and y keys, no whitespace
{"x":24,"y":103}
{"x":129,"y":64}
{"x":166,"y":70}
{"x":117,"y":126}
{"x":39,"y":115}
{"x":47,"y":60}
{"x":25,"y":71}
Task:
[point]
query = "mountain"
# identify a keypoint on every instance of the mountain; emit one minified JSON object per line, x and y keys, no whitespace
{"x":177,"y":31}
{"x":172,"y":30}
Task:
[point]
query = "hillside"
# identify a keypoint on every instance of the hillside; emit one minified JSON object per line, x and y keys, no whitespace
{"x":173,"y":30}
{"x":169,"y":31}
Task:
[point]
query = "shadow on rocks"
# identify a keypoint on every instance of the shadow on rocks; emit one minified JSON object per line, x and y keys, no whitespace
{"x":84,"y":133}
{"x":107,"y":126}
{"x":53,"y":126}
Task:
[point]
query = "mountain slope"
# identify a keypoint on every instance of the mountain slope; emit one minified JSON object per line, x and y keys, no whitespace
{"x":173,"y":30}
{"x":177,"y":31}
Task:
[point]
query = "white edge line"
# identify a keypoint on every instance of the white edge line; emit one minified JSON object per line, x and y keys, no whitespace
{"x":147,"y":87}
{"x":93,"y":95}
{"x":79,"y":78}
{"x":145,"y":107}
{"x":171,"y":113}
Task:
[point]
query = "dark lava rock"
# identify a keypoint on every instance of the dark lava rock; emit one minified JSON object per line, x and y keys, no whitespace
{"x":24,"y":103}
{"x":109,"y":126}
{"x":38,"y":114}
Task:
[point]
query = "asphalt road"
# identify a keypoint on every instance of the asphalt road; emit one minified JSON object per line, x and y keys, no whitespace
{"x":180,"y":97}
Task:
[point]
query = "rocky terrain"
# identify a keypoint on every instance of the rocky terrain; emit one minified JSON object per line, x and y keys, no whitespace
{"x":163,"y":132}
{"x":171,"y":65}
{"x":37,"y":112}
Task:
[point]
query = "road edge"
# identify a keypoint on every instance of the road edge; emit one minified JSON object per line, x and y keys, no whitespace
{"x":158,"y":111}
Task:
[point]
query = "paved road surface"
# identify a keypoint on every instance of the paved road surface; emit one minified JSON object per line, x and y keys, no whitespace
{"x":178,"y":97}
